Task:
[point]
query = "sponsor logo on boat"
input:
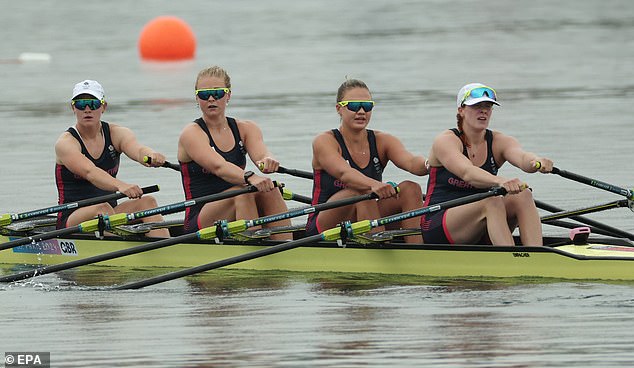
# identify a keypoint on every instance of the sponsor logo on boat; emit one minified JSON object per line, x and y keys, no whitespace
{"x":50,"y":246}
{"x":521,"y":254}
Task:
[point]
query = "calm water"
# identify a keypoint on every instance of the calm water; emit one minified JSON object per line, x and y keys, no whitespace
{"x":563,"y":70}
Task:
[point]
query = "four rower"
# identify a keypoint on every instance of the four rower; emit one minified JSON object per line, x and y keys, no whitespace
{"x":347,"y":161}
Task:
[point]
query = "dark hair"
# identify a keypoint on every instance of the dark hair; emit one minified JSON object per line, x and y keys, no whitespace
{"x":349,"y":84}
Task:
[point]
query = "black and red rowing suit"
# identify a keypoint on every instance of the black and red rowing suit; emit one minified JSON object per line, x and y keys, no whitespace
{"x":326,"y":185}
{"x":443,"y":186}
{"x":198,"y":181}
{"x":72,"y":187}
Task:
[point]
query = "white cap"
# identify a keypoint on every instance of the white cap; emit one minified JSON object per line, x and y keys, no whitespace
{"x":470,"y":100}
{"x":90,"y":87}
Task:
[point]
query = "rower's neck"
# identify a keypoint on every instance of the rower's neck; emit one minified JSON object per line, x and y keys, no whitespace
{"x":91,"y":131}
{"x":354,"y":136}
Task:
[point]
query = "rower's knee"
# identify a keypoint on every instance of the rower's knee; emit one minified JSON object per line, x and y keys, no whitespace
{"x":146,"y":202}
{"x":411,"y":190}
{"x":104,"y":209}
{"x":494,"y":205}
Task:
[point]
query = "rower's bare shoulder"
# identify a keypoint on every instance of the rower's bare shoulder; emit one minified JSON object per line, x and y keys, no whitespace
{"x":324,"y":138}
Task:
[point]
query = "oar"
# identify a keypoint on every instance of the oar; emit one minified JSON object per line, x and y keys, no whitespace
{"x":108,"y":222}
{"x":629,"y":194}
{"x":207,"y":233}
{"x":328,"y":235}
{"x":8,"y":218}
{"x":293,"y":172}
{"x":177,"y":167}
{"x":612,"y":230}
{"x":290,"y":196}
{"x":585,"y":210}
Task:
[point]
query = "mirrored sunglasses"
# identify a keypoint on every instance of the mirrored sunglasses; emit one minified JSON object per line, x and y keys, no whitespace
{"x":82,"y":103}
{"x":355,"y":106}
{"x":216,"y":93}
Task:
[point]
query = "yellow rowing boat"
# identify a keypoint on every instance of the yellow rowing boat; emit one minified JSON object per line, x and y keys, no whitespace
{"x":597,"y":259}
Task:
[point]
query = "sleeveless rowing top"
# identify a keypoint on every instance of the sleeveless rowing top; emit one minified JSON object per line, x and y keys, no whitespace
{"x":198,"y":181}
{"x":72,"y":187}
{"x":443,"y":185}
{"x":325,"y":185}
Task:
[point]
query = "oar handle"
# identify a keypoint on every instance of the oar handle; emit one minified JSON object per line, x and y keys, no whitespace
{"x":292,"y":172}
{"x":595,"y":183}
{"x":7,"y":219}
{"x":288,"y":195}
{"x":176,"y":167}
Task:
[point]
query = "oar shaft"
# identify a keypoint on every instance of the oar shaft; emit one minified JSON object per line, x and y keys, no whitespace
{"x":295,"y":172}
{"x":78,"y":204}
{"x":614,"y":231}
{"x":572,"y":225}
{"x":440,"y":206}
{"x":310,"y":209}
{"x":123,"y":218}
{"x":595,"y":183}
{"x":221,"y":263}
{"x":180,"y":206}
{"x":583,"y":211}
{"x":288,"y":195}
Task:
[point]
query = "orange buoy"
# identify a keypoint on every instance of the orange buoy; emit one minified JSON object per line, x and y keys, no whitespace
{"x":167,"y":38}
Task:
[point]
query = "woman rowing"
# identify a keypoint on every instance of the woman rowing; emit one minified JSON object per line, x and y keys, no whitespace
{"x":465,"y":160}
{"x":87,"y":161}
{"x":349,"y":161}
{"x":212,"y":152}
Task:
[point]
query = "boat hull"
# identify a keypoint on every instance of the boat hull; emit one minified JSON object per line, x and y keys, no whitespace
{"x":612,"y":260}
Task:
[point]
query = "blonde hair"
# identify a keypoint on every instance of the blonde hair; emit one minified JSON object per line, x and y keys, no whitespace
{"x":349,"y":84}
{"x":214,"y":71}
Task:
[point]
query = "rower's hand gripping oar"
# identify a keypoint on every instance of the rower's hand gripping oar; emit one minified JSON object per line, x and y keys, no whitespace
{"x":208,"y":233}
{"x":8,"y":218}
{"x":293,"y":172}
{"x":329,"y":235}
{"x":177,"y":167}
{"x":108,"y":222}
{"x":627,"y":193}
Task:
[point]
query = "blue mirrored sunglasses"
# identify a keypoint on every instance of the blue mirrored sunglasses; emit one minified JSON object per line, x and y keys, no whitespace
{"x":82,"y":103}
{"x":355,"y":106}
{"x":216,"y":93}
{"x":480,"y":92}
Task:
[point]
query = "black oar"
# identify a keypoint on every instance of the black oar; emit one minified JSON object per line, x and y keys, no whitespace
{"x":288,"y":195}
{"x":170,"y":165}
{"x":328,"y":235}
{"x":629,"y":194}
{"x":7,"y":219}
{"x":612,"y":230}
{"x":208,"y":233}
{"x":574,"y":225}
{"x":293,"y":172}
{"x":585,"y":210}
{"x":110,"y":222}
